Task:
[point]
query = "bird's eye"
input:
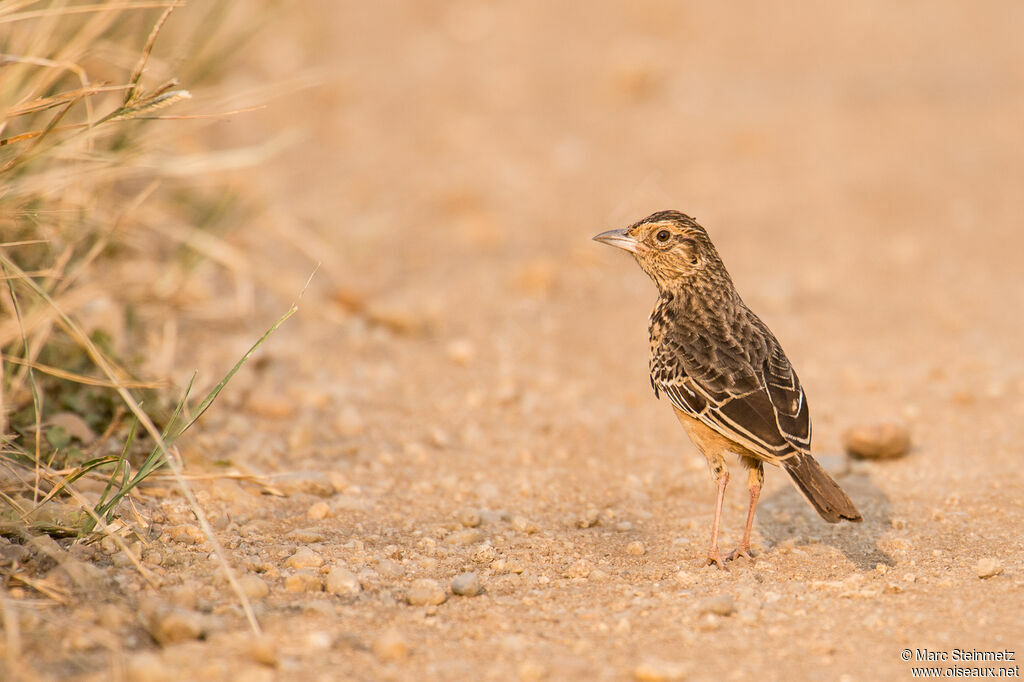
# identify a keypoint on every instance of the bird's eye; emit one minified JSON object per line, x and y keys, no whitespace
{"x":663,"y":236}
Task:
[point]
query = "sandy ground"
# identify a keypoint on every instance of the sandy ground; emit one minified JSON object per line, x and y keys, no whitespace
{"x":465,"y":387}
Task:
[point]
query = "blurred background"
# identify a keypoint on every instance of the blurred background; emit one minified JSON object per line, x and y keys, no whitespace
{"x":439,"y":169}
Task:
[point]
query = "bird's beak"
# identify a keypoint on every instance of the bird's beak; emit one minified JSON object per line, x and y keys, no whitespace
{"x":617,"y":238}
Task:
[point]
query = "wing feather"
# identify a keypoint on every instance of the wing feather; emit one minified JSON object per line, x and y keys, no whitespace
{"x":739,"y":383}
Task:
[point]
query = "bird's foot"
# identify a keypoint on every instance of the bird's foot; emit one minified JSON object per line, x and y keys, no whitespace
{"x":741,"y":551}
{"x":714,"y":558}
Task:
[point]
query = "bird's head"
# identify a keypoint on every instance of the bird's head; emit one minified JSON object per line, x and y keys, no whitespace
{"x":670,"y":246}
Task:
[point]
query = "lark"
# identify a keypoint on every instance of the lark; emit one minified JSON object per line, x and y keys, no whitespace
{"x":725,"y":374}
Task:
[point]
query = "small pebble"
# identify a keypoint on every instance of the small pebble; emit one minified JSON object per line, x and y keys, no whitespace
{"x":253,"y":586}
{"x":306,"y":535}
{"x":343,"y":582}
{"x":590,"y":518}
{"x":390,"y":646}
{"x":303,"y":580}
{"x":721,"y":605}
{"x":425,"y":592}
{"x":989,"y":567}
{"x":390,"y":569}
{"x":523,"y":525}
{"x":623,"y":526}
{"x":636,"y":548}
{"x":466,"y":536}
{"x":877,"y":441}
{"x":466,"y":585}
{"x":469,"y":518}
{"x":168,"y":625}
{"x":484,"y":554}
{"x":263,"y":649}
{"x":318,"y":511}
{"x":304,"y":557}
{"x":579,"y":569}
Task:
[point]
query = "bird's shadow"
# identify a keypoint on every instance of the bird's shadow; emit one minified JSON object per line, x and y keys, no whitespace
{"x":785,"y":516}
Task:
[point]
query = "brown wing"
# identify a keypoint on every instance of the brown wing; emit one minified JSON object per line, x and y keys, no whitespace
{"x":737,"y":381}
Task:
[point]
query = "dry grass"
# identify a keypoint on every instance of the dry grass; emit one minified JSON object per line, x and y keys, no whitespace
{"x":83,"y":250}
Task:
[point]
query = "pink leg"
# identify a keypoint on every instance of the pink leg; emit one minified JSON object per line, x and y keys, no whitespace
{"x":754,"y":481}
{"x":714,"y":556}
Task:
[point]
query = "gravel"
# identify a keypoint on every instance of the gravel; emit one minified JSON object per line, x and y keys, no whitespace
{"x":469,"y":518}
{"x":988,"y":567}
{"x":253,"y":586}
{"x":169,"y":625}
{"x":343,"y":582}
{"x":304,"y":580}
{"x":467,"y":585}
{"x":425,"y":592}
{"x":636,"y":548}
{"x":304,"y":557}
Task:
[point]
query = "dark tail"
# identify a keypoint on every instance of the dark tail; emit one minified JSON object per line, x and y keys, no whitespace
{"x":818,"y":488}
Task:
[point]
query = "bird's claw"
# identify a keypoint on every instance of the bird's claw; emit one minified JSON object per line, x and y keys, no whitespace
{"x":741,"y":551}
{"x":714,"y":559}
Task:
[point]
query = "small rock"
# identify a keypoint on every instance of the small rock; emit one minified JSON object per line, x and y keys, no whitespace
{"x":304,"y":557}
{"x":523,"y":525}
{"x":306,"y":535}
{"x":579,"y":569}
{"x":253,"y":586}
{"x":425,"y":592}
{"x":484,"y":554}
{"x":303,"y":581}
{"x":877,"y":441}
{"x":590,"y":518}
{"x":989,"y":567}
{"x":390,"y":569}
{"x":186,"y":535}
{"x":467,"y":585}
{"x":469,"y":518}
{"x":318,"y":511}
{"x":390,"y":646}
{"x":466,"y":536}
{"x":636,"y":548}
{"x":623,"y":526}
{"x":659,"y":671}
{"x":168,"y":625}
{"x":721,"y":605}
{"x":343,"y":582}
{"x":307,"y":482}
{"x":263,"y":649}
